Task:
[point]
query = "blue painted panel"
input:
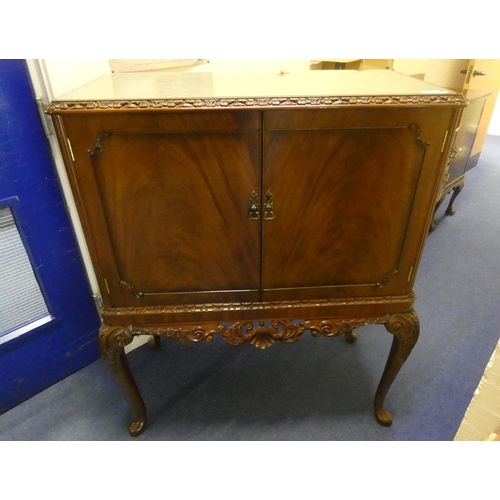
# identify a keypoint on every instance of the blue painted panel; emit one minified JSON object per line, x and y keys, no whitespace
{"x":40,"y":358}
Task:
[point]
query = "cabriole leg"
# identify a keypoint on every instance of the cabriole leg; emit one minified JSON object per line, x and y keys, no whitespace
{"x":456,"y":191}
{"x":350,"y":336}
{"x":405,"y":329}
{"x":154,"y":342}
{"x":433,"y":222}
{"x":112,"y":341}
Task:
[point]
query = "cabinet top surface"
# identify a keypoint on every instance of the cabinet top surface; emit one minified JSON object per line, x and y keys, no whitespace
{"x":244,"y":88}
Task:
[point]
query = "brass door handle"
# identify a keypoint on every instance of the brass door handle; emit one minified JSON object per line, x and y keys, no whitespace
{"x":268,"y":206}
{"x":253,"y":206}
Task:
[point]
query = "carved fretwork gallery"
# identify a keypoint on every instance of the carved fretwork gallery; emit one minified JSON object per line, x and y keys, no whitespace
{"x":257,"y":219}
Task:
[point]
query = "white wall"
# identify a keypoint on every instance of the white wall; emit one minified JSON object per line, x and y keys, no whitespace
{"x":65,"y":75}
{"x":494,"y":127}
{"x":225,"y":65}
{"x":441,"y":72}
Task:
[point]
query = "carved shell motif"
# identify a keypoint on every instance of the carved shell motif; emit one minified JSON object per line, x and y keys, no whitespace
{"x":260,"y":335}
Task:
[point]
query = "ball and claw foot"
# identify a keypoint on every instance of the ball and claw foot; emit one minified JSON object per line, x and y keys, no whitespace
{"x":137,"y":427}
{"x":350,"y":336}
{"x":383,"y":417}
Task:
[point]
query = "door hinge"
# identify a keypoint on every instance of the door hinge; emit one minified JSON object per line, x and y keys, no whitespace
{"x":410,"y":273}
{"x":98,"y":304}
{"x":444,"y":141}
{"x":47,"y":125}
{"x":70,"y":149}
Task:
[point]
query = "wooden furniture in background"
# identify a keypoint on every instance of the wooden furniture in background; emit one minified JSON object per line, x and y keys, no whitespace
{"x":460,"y":158}
{"x":482,"y":76}
{"x":256,"y":207}
{"x":479,"y":81}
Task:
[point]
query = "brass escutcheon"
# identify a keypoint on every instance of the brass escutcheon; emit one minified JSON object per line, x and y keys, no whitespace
{"x":253,"y":202}
{"x":268,"y":206}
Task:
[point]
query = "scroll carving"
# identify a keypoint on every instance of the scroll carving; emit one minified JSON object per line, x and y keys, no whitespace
{"x":386,"y":279}
{"x":112,"y":340}
{"x":418,"y":132}
{"x":131,"y":289}
{"x":261,"y":335}
{"x":406,"y":328}
{"x":98,"y":144}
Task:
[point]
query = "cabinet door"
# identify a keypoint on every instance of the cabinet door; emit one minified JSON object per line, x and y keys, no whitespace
{"x":343,"y":186}
{"x":174,"y":194}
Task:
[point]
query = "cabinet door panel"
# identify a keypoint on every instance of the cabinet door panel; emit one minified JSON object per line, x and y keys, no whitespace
{"x":342,"y":202}
{"x":176,"y":209}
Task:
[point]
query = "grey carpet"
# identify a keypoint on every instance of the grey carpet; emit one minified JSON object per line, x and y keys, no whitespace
{"x":316,"y":389}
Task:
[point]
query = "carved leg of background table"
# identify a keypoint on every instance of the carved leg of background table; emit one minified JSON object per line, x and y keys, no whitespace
{"x":433,"y":222}
{"x":405,"y":329}
{"x":456,"y":191}
{"x":112,"y":340}
{"x":350,"y":336}
{"x":154,"y":342}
